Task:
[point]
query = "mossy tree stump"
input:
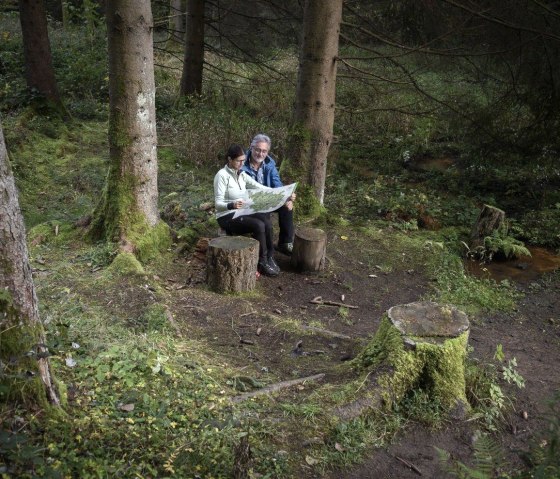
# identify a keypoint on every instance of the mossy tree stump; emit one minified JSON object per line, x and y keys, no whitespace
{"x":231,"y":264}
{"x":310,"y":246}
{"x":421,"y":345}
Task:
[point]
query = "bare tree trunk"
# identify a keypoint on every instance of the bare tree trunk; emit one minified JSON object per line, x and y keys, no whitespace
{"x":21,"y":330}
{"x":191,"y":80}
{"x":177,"y":9}
{"x":128,"y":209}
{"x":39,"y":72}
{"x":315,"y":93}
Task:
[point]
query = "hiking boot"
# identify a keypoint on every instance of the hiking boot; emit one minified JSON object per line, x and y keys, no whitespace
{"x":272,"y":262}
{"x":264,"y":268}
{"x":286,"y":248}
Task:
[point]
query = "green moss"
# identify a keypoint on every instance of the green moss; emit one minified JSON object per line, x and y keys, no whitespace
{"x":151,"y":243}
{"x":307,"y":205}
{"x":20,"y":380}
{"x":125,"y":264}
{"x":51,"y":232}
{"x":437,"y":367}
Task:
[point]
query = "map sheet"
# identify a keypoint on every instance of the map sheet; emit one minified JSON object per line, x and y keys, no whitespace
{"x":259,"y":201}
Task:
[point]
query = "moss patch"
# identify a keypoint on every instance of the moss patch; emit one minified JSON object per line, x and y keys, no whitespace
{"x":125,"y":264}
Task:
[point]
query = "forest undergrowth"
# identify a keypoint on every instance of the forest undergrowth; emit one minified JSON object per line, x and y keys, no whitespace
{"x":151,"y":360}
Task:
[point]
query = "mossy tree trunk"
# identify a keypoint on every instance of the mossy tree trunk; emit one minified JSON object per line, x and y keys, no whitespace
{"x":25,"y":373}
{"x":127,"y":212}
{"x":315,"y":96}
{"x":191,"y":80}
{"x":39,"y":71}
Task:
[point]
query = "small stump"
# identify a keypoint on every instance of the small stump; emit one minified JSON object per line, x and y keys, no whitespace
{"x":231,"y":264}
{"x":489,"y":220}
{"x":421,"y":345}
{"x":310,"y":246}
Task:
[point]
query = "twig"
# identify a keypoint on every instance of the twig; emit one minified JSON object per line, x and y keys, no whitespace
{"x":320,"y":300}
{"x":276,"y":387}
{"x":409,"y":465}
{"x":325,"y":332}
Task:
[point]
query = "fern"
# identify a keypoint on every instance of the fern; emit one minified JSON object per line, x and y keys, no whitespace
{"x":499,"y":243}
{"x":488,"y":461}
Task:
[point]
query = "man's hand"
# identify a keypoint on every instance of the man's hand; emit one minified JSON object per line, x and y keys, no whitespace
{"x":290,"y":204}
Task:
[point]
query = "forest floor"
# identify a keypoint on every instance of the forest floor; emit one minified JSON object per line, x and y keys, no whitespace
{"x":277,"y":334}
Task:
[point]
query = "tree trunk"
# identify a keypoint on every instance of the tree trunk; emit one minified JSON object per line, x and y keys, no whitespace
{"x":489,"y":220}
{"x":231,"y":265}
{"x":315,"y":93}
{"x":21,"y":330}
{"x":191,"y":80}
{"x":310,"y":245}
{"x":39,"y":72}
{"x":176,"y":21}
{"x":128,"y":212}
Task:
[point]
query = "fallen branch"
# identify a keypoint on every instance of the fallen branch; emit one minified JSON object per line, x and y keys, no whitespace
{"x":320,"y":300}
{"x":276,"y":387}
{"x":409,"y":465}
{"x":325,"y":332}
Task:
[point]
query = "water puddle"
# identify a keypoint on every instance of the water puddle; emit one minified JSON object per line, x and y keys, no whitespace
{"x":432,"y":164}
{"x":522,"y":270}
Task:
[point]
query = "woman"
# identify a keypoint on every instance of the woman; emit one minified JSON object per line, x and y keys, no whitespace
{"x":230,"y":193}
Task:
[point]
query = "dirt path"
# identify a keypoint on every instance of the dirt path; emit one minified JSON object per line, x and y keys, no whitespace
{"x":261,"y":334}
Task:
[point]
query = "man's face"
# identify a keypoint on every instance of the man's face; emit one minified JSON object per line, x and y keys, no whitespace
{"x":259,"y":151}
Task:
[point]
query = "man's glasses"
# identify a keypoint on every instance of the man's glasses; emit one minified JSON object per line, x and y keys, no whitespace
{"x":258,"y":151}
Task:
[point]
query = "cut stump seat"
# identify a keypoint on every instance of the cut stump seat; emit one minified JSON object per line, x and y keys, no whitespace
{"x":231,"y":264}
{"x":310,"y":247}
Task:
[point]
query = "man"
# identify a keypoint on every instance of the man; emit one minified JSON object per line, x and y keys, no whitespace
{"x":261,"y":167}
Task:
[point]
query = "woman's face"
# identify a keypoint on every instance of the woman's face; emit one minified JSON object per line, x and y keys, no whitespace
{"x":236,"y":163}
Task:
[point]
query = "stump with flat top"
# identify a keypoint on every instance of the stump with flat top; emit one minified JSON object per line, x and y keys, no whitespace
{"x":231,"y":264}
{"x":489,"y":220}
{"x":421,"y":345}
{"x":310,"y":247}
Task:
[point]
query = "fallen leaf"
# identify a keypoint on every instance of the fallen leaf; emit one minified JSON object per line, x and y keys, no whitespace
{"x":127,"y":407}
{"x":259,"y":331}
{"x":311,"y":460}
{"x":70,"y":362}
{"x":373,"y":276}
{"x":344,"y":237}
{"x":338,"y":447}
{"x":342,"y":297}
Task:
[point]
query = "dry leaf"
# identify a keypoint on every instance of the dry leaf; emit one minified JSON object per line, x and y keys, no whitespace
{"x":127,"y":407}
{"x":344,"y":237}
{"x":311,"y":460}
{"x":338,"y":447}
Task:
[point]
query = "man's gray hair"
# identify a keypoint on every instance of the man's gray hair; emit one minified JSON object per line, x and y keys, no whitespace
{"x":260,"y":138}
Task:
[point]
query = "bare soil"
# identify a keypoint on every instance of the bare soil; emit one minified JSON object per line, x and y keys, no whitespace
{"x":253,"y":331}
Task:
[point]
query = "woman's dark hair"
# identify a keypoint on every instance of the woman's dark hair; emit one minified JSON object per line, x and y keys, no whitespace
{"x":234,"y":151}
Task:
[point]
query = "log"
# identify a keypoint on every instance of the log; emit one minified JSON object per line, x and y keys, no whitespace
{"x":489,"y":220}
{"x":310,"y":246}
{"x":231,"y":264}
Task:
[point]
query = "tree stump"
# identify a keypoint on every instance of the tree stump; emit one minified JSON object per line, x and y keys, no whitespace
{"x":421,"y":345}
{"x":310,"y":246}
{"x":231,"y":264}
{"x":489,"y":220}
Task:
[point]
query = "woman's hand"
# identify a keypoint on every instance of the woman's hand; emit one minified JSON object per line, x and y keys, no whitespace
{"x":237,"y":204}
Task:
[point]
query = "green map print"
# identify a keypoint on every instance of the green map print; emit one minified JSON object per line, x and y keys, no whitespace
{"x":263,"y":200}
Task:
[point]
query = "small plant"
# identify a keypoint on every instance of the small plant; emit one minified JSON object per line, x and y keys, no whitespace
{"x":489,"y":461}
{"x":485,"y":393}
